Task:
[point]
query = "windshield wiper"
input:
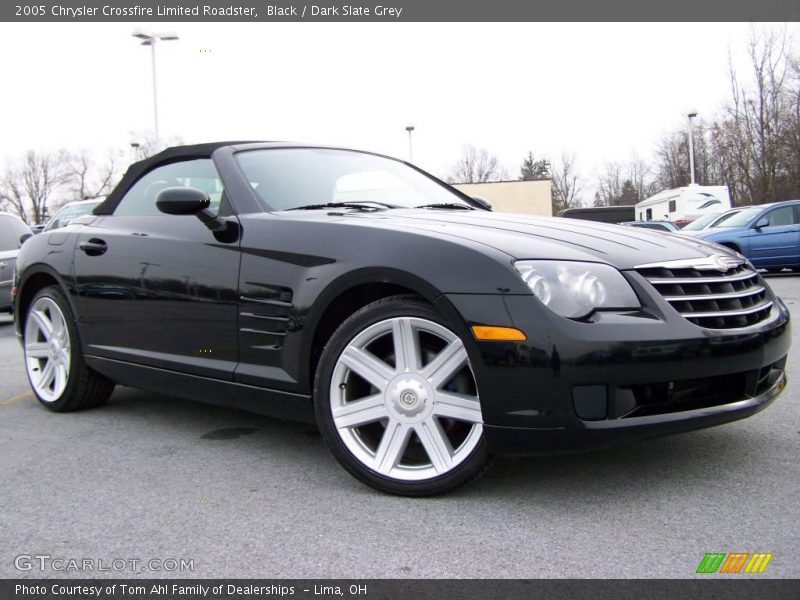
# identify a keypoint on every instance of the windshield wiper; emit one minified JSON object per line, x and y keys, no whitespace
{"x":446,"y":205}
{"x":361,"y":205}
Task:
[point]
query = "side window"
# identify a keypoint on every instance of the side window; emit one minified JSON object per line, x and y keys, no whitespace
{"x":140,"y":200}
{"x":649,"y":214}
{"x":781,"y":216}
{"x":673,"y":206}
{"x":7,"y":241}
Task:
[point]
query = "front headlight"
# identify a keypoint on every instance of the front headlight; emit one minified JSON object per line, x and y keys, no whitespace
{"x":575,"y":289}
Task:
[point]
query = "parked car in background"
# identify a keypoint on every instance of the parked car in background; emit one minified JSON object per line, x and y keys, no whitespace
{"x":701,"y":222}
{"x":710,"y":221}
{"x":38,"y":228}
{"x":768,"y":234}
{"x":70,"y":211}
{"x":13,"y":232}
{"x":657,"y":225}
{"x":420,"y":331}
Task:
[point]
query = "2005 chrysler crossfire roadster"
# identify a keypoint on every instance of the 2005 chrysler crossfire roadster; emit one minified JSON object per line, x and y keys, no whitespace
{"x":421,"y":331}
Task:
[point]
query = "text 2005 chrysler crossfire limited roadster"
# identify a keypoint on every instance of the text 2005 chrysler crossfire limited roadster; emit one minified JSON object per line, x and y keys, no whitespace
{"x":422,"y":332}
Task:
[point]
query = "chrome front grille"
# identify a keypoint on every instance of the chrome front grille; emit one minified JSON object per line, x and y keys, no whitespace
{"x":719,"y":292}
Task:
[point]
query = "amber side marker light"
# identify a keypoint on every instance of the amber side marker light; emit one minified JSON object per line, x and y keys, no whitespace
{"x":489,"y":333}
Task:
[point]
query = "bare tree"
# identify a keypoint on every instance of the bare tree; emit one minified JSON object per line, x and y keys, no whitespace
{"x":567,"y":183}
{"x":90,"y":179}
{"x":757,"y":117}
{"x":640,"y":175}
{"x":476,"y":165}
{"x":793,"y":129}
{"x":29,"y":188}
{"x":609,"y":185}
{"x":671,"y":168}
{"x":753,"y":146}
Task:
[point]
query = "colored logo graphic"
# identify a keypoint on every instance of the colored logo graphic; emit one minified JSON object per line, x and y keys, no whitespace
{"x":735,"y":562}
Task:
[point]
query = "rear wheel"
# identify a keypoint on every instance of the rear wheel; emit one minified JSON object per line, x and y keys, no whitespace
{"x":397,"y":401}
{"x":57,"y":373}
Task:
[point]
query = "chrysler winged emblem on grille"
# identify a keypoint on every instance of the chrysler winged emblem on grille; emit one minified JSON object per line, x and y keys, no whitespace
{"x":722,"y":263}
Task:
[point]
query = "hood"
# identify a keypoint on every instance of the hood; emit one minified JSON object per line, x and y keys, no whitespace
{"x":718,"y":233}
{"x":528,"y":237}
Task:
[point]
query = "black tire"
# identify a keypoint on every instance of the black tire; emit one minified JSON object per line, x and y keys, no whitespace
{"x":474,"y":459}
{"x":84,"y":387}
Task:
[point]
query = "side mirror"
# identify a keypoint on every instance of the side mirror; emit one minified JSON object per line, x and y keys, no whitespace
{"x":182,"y":201}
{"x":482,"y":202}
{"x":761,"y":223}
{"x":190,"y":201}
{"x":24,"y":237}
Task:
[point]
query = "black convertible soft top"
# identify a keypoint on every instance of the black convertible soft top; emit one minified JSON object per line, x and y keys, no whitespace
{"x":170,"y":155}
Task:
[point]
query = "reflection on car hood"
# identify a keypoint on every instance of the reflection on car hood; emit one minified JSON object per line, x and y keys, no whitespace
{"x":523,"y":236}
{"x":719,"y":232}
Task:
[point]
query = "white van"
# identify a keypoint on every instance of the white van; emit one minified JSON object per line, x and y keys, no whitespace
{"x":683,"y":205}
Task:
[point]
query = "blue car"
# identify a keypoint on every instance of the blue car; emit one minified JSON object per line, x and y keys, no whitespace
{"x":768,"y":234}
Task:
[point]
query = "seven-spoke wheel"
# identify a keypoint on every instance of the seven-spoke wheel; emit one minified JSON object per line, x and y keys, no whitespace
{"x":56,"y":370}
{"x":47,"y":349}
{"x":400,"y":403}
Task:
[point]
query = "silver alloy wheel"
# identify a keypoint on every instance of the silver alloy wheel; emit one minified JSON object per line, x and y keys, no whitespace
{"x":404,"y":399}
{"x":47,"y":349}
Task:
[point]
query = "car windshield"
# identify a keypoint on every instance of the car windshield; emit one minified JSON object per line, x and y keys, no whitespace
{"x":701,"y":222}
{"x":290,"y":178}
{"x":724,"y":217}
{"x":741,"y":218}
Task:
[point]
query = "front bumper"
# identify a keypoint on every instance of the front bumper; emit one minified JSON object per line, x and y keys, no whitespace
{"x":653,"y":372}
{"x":595,"y":435}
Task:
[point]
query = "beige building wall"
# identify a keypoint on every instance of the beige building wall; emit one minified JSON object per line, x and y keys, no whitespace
{"x":527,"y":197}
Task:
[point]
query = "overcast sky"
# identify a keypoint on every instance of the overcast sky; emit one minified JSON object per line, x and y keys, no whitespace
{"x":601,"y":91}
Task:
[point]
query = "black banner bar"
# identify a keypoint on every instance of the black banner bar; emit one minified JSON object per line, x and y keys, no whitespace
{"x":392,"y":11}
{"x":732,"y":588}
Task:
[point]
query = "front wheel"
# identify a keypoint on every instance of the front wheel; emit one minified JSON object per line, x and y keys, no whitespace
{"x":397,"y":401}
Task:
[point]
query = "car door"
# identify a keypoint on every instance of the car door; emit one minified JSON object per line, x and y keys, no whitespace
{"x":158,"y":289}
{"x":776,"y":244}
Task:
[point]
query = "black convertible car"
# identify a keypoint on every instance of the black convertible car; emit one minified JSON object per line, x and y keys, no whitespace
{"x":422,"y":332}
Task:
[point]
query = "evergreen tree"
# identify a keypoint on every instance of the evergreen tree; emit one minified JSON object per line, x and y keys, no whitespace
{"x":532,"y":169}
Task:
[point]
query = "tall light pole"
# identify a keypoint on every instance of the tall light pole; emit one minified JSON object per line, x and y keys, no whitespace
{"x":150,"y":39}
{"x":692,"y":114}
{"x":409,"y":129}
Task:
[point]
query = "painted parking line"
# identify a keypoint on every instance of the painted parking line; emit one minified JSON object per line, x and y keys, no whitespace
{"x":9,"y":402}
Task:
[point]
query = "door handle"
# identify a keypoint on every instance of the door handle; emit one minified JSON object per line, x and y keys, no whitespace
{"x":93,"y":247}
{"x":3,"y":265}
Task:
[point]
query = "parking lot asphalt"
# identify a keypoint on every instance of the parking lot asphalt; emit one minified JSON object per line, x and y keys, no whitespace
{"x":153,"y":477}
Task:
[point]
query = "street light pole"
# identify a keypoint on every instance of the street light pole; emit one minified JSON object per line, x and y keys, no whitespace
{"x":155,"y":89}
{"x":409,"y":129}
{"x":692,"y":114}
{"x":150,"y":39}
